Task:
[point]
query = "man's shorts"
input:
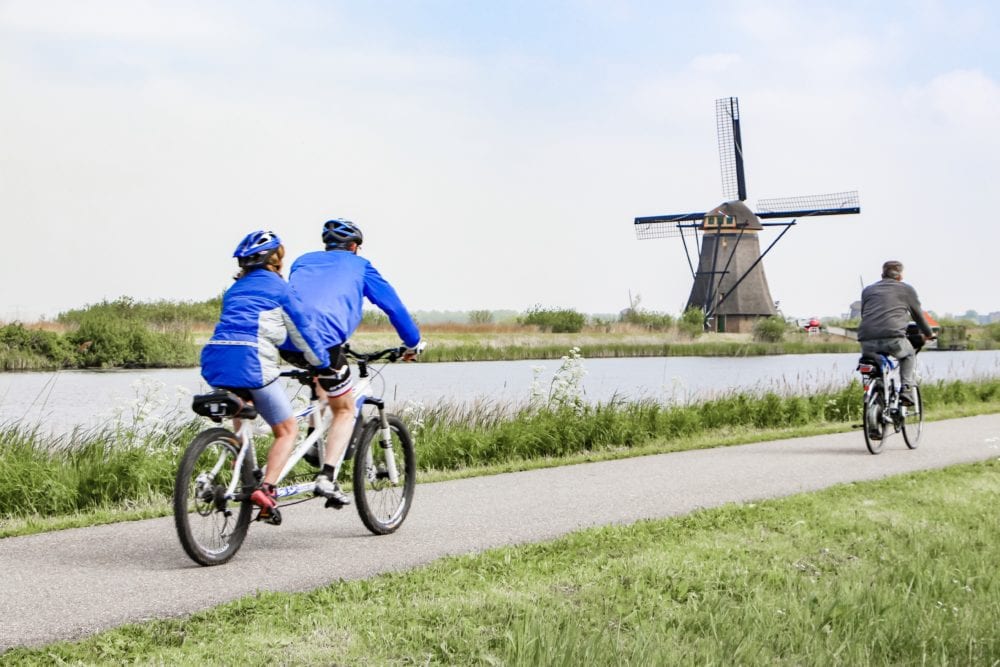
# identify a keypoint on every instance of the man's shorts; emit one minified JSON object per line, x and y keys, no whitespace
{"x":272,"y":403}
{"x":340,"y":381}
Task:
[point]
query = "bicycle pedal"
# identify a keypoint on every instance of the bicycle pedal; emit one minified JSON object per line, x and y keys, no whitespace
{"x":335,"y":504}
{"x":274,"y":518}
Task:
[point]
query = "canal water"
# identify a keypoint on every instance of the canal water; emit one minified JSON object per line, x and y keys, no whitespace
{"x":64,"y":400}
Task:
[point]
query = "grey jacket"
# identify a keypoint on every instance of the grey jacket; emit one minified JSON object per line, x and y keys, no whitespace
{"x":887,"y":307}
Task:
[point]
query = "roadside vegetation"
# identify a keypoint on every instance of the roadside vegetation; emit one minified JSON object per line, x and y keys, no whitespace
{"x":111,"y":334}
{"x":126,"y":333}
{"x":126,"y":470}
{"x":895,"y":572}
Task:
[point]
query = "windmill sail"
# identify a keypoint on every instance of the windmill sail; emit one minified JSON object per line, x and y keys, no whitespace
{"x":835,"y":203}
{"x":667,"y":226}
{"x":727,"y":118}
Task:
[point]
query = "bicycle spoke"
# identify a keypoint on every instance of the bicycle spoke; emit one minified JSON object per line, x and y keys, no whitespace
{"x":210,"y":527}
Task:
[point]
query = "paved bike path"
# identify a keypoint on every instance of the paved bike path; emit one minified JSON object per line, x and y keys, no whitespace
{"x":73,"y":583}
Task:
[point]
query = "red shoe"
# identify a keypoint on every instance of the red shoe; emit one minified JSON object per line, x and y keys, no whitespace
{"x":266,"y":499}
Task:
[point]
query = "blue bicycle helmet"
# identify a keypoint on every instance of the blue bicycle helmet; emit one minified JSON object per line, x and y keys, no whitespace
{"x":337,"y":233}
{"x":256,"y":247}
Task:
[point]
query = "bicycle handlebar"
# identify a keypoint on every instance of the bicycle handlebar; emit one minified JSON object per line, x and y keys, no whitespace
{"x":306,"y":376}
{"x":391,"y":354}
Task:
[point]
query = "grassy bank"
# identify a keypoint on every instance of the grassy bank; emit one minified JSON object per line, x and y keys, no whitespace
{"x":114,"y":343}
{"x":449,"y":344}
{"x":127,"y":472}
{"x":130,"y":333}
{"x":895,"y":572}
{"x":614,"y":349}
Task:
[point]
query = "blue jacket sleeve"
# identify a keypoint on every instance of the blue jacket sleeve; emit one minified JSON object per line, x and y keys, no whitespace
{"x":301,"y":331}
{"x":381,"y":293}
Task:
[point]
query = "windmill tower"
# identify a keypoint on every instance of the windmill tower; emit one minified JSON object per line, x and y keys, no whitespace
{"x":729,"y":282}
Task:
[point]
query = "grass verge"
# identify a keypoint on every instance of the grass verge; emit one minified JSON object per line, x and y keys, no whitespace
{"x":895,"y":572}
{"x":122,"y":473}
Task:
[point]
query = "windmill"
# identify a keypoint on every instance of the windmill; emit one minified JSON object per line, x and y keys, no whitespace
{"x":729,"y":282}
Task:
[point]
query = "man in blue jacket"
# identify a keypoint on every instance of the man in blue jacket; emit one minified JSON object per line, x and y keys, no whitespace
{"x":333,"y":285}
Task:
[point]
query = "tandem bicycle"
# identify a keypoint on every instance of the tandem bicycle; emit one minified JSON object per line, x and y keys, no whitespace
{"x":219,"y":471}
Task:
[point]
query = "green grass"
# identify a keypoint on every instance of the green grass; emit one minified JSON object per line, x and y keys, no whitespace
{"x":896,"y":572}
{"x":127,"y":472}
{"x":125,"y":333}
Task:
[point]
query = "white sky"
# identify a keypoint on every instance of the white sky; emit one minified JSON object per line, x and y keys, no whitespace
{"x":495,"y":154}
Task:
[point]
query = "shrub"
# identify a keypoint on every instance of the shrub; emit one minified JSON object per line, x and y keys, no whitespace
{"x":374,"y":319}
{"x":481,"y":317}
{"x":556,"y":320}
{"x":117,"y":333}
{"x":14,"y":338}
{"x":769,"y":329}
{"x":648,"y":319}
{"x":162,"y":314}
{"x":692,"y":322}
{"x":118,"y":338}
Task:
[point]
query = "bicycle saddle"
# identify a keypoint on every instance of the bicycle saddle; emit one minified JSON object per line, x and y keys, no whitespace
{"x":223,"y":403}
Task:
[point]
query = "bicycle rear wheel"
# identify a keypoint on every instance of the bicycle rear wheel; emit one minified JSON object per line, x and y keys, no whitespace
{"x":383,"y":505}
{"x":913,"y":424}
{"x":210,"y":528}
{"x":874,"y":427}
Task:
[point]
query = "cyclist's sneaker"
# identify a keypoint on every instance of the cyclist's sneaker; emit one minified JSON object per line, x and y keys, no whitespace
{"x":330,"y":490}
{"x":266,"y":499}
{"x":906,"y":399}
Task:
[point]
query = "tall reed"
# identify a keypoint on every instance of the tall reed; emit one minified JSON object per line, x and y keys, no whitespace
{"x":134,"y":462}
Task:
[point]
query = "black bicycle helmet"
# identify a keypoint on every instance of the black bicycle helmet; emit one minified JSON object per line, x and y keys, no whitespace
{"x":337,"y":233}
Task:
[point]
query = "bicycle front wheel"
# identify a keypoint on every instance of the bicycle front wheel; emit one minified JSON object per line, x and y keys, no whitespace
{"x":382,"y":503}
{"x":913,"y":423}
{"x":210,"y":527}
{"x":874,"y":426}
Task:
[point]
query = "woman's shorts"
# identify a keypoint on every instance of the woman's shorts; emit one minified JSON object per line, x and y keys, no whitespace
{"x":272,"y":403}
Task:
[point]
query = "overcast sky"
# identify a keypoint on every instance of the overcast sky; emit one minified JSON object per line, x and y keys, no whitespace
{"x":494,"y":153}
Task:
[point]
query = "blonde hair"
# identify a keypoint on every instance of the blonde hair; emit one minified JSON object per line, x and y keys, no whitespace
{"x":274,"y":263}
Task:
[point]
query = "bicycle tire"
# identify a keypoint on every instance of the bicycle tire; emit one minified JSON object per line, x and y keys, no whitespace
{"x":913,"y":424}
{"x":874,"y":427}
{"x":383,"y":506}
{"x":206,"y":525}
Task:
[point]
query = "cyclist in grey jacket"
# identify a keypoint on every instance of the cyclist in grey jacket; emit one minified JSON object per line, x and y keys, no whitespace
{"x":887,"y":307}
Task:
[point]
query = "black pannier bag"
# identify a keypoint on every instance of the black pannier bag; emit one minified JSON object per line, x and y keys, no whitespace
{"x":915,"y":336}
{"x":222,"y":403}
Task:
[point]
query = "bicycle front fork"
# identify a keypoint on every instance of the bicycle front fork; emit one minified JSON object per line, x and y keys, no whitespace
{"x":385,"y":441}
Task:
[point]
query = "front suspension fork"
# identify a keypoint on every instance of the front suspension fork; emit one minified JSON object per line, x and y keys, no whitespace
{"x":385,"y":441}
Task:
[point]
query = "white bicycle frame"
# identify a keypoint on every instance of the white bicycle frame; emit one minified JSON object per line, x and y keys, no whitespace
{"x":319,"y":417}
{"x":891,"y":381}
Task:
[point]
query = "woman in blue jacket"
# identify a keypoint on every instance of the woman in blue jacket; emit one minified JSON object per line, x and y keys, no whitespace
{"x":259,"y":312}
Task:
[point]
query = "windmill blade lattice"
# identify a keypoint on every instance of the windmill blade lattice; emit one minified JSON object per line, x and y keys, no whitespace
{"x":835,"y":203}
{"x":727,"y":118}
{"x":666,"y":226}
